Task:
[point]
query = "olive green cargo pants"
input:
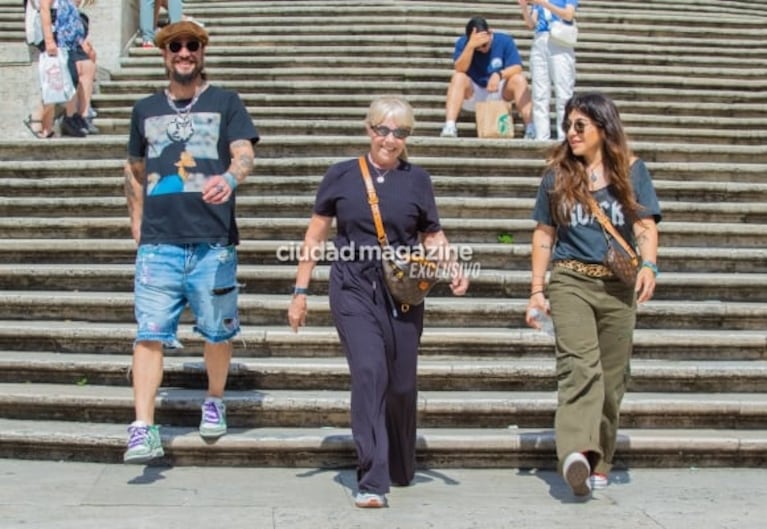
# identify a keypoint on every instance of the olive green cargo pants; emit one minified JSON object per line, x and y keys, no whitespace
{"x":594,"y":323}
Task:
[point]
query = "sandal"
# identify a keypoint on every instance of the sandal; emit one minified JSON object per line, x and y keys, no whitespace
{"x":39,"y":134}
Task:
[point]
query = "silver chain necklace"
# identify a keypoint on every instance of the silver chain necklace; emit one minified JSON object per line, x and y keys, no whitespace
{"x":380,"y":177}
{"x":181,"y":127}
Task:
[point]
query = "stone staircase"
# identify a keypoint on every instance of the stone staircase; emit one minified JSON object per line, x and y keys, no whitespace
{"x":689,"y":79}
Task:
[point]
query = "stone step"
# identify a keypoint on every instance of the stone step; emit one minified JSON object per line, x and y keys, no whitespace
{"x":310,"y":408}
{"x":435,"y":373}
{"x":424,"y":17}
{"x":238,"y":68}
{"x":271,"y":309}
{"x":703,"y":133}
{"x":430,"y":58}
{"x":652,"y":87}
{"x":335,"y":106}
{"x":459,"y":230}
{"x":312,"y":118}
{"x":84,"y":337}
{"x":102,"y":147}
{"x":493,"y":255}
{"x":333,"y":447}
{"x":518,"y":177}
{"x":280,"y":278}
{"x":295,"y":206}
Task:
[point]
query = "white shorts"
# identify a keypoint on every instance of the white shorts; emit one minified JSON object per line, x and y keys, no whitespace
{"x":481,"y":94}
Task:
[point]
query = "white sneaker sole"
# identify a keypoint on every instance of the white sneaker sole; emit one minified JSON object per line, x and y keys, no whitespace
{"x":577,"y":474}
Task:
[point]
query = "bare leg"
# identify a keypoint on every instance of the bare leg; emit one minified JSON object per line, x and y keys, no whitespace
{"x":86,"y":70}
{"x":147,"y":377}
{"x":458,"y":90}
{"x":518,"y":89}
{"x":218,"y":356}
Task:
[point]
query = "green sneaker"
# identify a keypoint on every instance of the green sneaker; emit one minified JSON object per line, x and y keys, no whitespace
{"x":213,"y":421}
{"x":144,"y":444}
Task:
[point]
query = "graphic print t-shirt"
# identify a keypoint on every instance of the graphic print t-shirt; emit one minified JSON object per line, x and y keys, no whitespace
{"x":180,"y":155}
{"x":583,"y":238}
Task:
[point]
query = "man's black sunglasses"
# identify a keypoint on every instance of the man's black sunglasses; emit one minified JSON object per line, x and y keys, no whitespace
{"x":399,"y":133}
{"x":192,"y":45}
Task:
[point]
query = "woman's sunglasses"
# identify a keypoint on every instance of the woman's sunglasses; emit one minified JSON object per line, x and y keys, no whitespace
{"x":579,"y":125}
{"x":192,"y":45}
{"x":383,"y":131}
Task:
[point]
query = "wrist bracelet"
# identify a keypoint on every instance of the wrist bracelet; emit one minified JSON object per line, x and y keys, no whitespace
{"x":300,"y":291}
{"x":533,"y":293}
{"x":652,"y":266}
{"x":230,"y":179}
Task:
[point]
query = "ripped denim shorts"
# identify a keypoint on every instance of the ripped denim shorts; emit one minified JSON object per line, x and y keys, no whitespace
{"x":171,"y":276}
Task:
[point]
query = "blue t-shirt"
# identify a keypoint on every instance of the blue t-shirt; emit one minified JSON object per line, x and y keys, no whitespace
{"x":405,"y":199}
{"x":180,"y":155}
{"x":545,"y":17}
{"x":583,"y":239}
{"x":503,"y":53}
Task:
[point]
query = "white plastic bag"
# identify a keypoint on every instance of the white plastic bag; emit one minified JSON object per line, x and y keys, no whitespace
{"x":56,"y":83}
{"x":564,"y":34}
{"x":32,"y":24}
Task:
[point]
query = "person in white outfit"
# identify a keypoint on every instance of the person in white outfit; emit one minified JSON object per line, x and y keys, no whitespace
{"x":551,"y":63}
{"x":149,"y":12}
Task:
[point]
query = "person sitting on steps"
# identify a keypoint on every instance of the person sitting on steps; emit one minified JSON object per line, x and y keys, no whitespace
{"x":487,"y":67}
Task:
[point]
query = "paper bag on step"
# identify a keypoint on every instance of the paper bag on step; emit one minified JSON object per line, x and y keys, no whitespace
{"x":494,"y":119}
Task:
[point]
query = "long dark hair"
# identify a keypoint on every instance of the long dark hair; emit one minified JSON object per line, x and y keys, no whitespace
{"x":571,"y":185}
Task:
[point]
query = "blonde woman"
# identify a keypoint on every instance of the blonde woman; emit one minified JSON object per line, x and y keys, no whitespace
{"x":379,"y":339}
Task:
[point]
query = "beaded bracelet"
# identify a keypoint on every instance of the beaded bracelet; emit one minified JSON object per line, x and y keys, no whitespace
{"x":536,"y":292}
{"x":652,"y":266}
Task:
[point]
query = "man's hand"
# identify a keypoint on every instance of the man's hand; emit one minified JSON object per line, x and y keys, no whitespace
{"x":216,"y":190}
{"x":494,"y":82}
{"x":478,"y":39}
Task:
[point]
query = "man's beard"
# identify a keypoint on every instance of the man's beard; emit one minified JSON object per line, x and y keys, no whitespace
{"x":186,"y":78}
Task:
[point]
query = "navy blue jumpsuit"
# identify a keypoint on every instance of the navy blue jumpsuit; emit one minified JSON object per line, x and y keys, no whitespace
{"x":380,"y":341}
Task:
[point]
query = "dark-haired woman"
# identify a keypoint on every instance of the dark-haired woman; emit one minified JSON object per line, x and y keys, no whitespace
{"x":593,"y":312}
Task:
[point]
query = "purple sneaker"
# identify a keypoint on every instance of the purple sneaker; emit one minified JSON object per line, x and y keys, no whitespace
{"x":144,"y":444}
{"x":213,"y":422}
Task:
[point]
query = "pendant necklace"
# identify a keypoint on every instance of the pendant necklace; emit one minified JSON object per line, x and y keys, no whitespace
{"x":181,"y":127}
{"x":593,"y":176}
{"x":380,"y":177}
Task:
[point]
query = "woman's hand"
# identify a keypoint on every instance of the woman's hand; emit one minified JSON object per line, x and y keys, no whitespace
{"x":459,"y":284}
{"x":645,"y":285}
{"x":537,"y":301}
{"x":297,"y":312}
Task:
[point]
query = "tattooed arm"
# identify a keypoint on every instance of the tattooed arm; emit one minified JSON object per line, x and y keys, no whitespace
{"x":543,"y":242}
{"x":135,"y":177}
{"x":242,"y":159}
{"x":646,"y":235}
{"x":220,"y":188}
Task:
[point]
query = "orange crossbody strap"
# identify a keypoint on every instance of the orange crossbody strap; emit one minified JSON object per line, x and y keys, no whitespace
{"x":373,"y":201}
{"x":607,"y":225}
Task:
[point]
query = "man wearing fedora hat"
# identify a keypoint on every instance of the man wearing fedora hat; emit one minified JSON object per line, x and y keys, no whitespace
{"x":190,"y":146}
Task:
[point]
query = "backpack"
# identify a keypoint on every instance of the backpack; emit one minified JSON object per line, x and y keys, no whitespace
{"x":32,"y":25}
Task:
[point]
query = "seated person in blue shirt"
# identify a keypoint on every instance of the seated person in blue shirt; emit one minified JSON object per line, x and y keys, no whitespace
{"x":487,"y":66}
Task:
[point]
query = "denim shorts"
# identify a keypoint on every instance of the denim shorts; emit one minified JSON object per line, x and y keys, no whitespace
{"x":169,"y":277}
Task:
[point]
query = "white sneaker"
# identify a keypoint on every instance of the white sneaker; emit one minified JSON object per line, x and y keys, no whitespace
{"x":369,"y":500}
{"x":530,"y":132}
{"x":577,"y":471}
{"x":598,"y":481}
{"x":449,"y":131}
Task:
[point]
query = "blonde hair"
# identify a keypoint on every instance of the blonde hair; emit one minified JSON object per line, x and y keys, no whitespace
{"x":394,"y":107}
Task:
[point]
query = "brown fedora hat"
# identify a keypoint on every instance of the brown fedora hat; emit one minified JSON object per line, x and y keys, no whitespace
{"x":185,"y":28}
